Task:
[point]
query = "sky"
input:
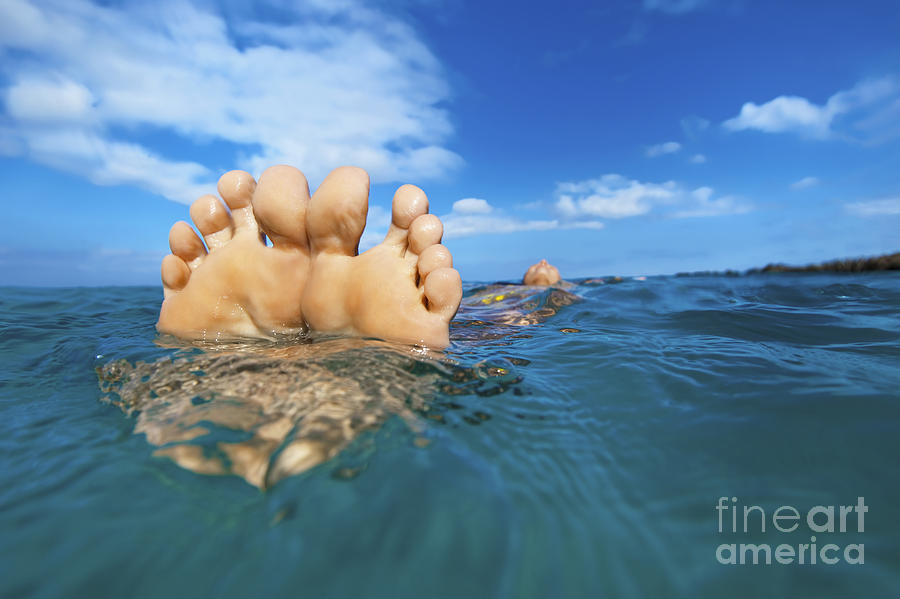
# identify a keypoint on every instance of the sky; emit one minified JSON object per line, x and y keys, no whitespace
{"x":638,"y":137}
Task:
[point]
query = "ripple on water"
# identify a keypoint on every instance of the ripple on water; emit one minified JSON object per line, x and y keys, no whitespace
{"x":571,"y":442}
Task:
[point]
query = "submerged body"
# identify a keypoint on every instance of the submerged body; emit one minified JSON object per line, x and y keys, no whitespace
{"x":302,"y":400}
{"x":310,"y":281}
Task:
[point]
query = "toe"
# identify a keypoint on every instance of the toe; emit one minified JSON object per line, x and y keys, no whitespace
{"x":410,"y":202}
{"x":443,"y":289}
{"x":175,"y":274}
{"x":213,"y":221}
{"x":425,"y":231}
{"x":337,"y":212}
{"x":432,"y":258}
{"x":280,"y":203}
{"x":236,"y":188}
{"x":185,"y":244}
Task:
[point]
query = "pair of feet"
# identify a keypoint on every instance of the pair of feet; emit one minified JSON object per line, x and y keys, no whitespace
{"x":311,"y":276}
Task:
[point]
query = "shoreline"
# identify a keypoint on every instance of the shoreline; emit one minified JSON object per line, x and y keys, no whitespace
{"x":861,"y":264}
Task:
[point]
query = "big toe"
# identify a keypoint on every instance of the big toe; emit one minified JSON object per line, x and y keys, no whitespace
{"x":337,"y":212}
{"x":280,"y":204}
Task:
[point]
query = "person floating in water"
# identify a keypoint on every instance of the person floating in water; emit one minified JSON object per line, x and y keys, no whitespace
{"x":541,"y":274}
{"x":295,"y":405}
{"x":404,"y":289}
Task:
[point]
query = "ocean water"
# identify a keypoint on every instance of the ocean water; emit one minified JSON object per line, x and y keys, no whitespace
{"x":570,"y":443}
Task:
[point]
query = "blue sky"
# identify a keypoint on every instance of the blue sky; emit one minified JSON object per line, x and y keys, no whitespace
{"x":638,"y":137}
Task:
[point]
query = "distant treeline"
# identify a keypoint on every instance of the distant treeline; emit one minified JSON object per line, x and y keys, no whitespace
{"x":885,"y":262}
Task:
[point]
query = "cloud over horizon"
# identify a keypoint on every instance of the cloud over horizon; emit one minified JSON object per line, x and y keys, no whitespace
{"x":475,"y":216}
{"x":89,"y":85}
{"x":613,"y":196}
{"x":584,"y":204}
{"x":867,"y":108}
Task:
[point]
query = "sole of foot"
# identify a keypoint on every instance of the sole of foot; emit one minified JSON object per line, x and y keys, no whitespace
{"x":236,"y":285}
{"x":404,"y":289}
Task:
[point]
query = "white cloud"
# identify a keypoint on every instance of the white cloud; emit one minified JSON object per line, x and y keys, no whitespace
{"x":463,"y":222}
{"x":784,"y":113}
{"x":328,"y":84}
{"x":59,"y":100}
{"x":472,"y":206}
{"x":456,"y":226}
{"x":698,"y":159}
{"x":613,"y":196}
{"x":804,"y":183}
{"x":578,"y":205}
{"x":885,"y":207}
{"x":669,"y":147}
{"x":472,"y":216}
{"x":701,"y":203}
{"x":868,"y":100}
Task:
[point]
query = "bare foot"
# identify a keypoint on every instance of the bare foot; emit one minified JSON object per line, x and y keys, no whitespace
{"x":542,"y":273}
{"x":404,"y":289}
{"x":239,"y":287}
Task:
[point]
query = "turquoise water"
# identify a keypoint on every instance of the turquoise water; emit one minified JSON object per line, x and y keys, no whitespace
{"x":575,"y":449}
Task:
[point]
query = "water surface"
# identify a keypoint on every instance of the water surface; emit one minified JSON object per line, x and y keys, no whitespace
{"x":559,"y":448}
